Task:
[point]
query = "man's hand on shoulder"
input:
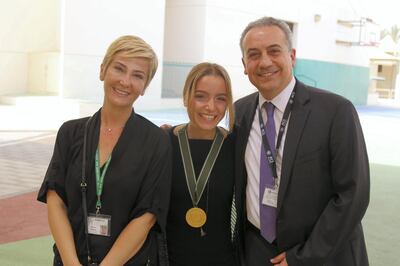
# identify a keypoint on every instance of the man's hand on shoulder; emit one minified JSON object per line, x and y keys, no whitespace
{"x":280,"y":260}
{"x":166,"y":126}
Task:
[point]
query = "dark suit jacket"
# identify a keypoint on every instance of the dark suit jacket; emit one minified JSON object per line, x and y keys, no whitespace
{"x":324,"y":188}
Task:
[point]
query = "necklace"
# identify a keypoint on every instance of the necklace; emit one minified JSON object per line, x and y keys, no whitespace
{"x":110,"y":129}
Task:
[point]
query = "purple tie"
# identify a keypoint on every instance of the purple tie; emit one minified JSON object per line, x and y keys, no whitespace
{"x":267,"y":213}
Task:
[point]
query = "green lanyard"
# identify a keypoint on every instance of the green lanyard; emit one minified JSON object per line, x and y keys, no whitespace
{"x":100,"y":179}
{"x":196,"y":187}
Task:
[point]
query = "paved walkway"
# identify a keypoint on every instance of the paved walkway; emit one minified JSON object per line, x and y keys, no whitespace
{"x":22,"y":217}
{"x":23,"y":160}
{"x":24,"y":156}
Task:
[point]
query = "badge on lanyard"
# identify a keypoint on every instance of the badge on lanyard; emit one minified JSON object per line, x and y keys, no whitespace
{"x":99,"y":224}
{"x":270,"y":197}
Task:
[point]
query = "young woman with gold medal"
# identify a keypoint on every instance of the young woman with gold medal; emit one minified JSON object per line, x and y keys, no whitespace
{"x":199,"y":219}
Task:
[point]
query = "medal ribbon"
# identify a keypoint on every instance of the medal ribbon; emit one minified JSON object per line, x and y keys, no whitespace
{"x":100,"y":179}
{"x":271,"y":153}
{"x":196,"y":188}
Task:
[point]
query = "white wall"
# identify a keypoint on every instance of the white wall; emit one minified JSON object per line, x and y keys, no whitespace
{"x":185,"y":29}
{"x":14,"y":72}
{"x":225,"y":22}
{"x":317,"y":40}
{"x":90,"y":26}
{"x":27,"y":27}
{"x":185,"y":22}
{"x":313,"y":40}
{"x":33,"y":39}
{"x":44,"y":73}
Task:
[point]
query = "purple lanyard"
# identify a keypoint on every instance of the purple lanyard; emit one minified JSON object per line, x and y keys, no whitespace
{"x":269,"y":153}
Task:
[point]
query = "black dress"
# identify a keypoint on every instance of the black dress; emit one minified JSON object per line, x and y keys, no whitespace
{"x":186,"y":246}
{"x":137,"y":181}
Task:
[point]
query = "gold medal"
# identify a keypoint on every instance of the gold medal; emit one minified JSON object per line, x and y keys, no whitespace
{"x":196,"y":217}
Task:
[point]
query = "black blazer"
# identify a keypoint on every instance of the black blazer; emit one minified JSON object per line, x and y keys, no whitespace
{"x":324,"y":188}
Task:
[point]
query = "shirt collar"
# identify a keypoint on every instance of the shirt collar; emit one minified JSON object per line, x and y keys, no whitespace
{"x":281,"y":100}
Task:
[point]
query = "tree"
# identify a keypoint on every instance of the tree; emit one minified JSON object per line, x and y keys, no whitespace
{"x":394,"y":33}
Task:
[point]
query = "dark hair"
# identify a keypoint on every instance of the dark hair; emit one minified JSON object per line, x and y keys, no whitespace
{"x":268,"y":21}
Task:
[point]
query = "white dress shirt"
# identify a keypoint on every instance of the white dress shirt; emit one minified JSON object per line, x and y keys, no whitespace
{"x":253,"y":151}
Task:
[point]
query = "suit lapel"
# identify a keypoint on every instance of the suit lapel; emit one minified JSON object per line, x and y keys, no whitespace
{"x":298,"y":119}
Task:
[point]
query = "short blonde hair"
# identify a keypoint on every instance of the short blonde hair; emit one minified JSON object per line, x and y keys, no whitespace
{"x":209,"y":69}
{"x":132,"y":47}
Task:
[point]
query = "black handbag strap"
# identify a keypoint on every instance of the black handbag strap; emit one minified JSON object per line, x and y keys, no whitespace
{"x":163,"y":259}
{"x":84,"y":189}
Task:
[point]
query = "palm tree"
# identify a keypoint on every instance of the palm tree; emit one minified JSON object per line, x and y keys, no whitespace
{"x":394,"y":33}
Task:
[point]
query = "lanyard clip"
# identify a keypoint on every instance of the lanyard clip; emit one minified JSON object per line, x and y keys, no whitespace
{"x":98,"y":205}
{"x":83,"y":186}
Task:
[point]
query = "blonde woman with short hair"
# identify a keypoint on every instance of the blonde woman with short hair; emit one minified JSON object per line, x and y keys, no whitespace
{"x":107,"y":186}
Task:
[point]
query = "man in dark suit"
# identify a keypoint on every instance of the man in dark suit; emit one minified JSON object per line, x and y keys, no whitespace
{"x":318,"y":162}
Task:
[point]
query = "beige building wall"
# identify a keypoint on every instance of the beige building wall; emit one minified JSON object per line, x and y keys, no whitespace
{"x":29,"y":32}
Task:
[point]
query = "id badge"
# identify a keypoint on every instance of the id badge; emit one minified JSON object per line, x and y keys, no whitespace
{"x":99,"y":224}
{"x":270,"y":197}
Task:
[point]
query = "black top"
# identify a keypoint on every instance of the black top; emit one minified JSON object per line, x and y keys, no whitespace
{"x":185,"y":244}
{"x":137,"y":180}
